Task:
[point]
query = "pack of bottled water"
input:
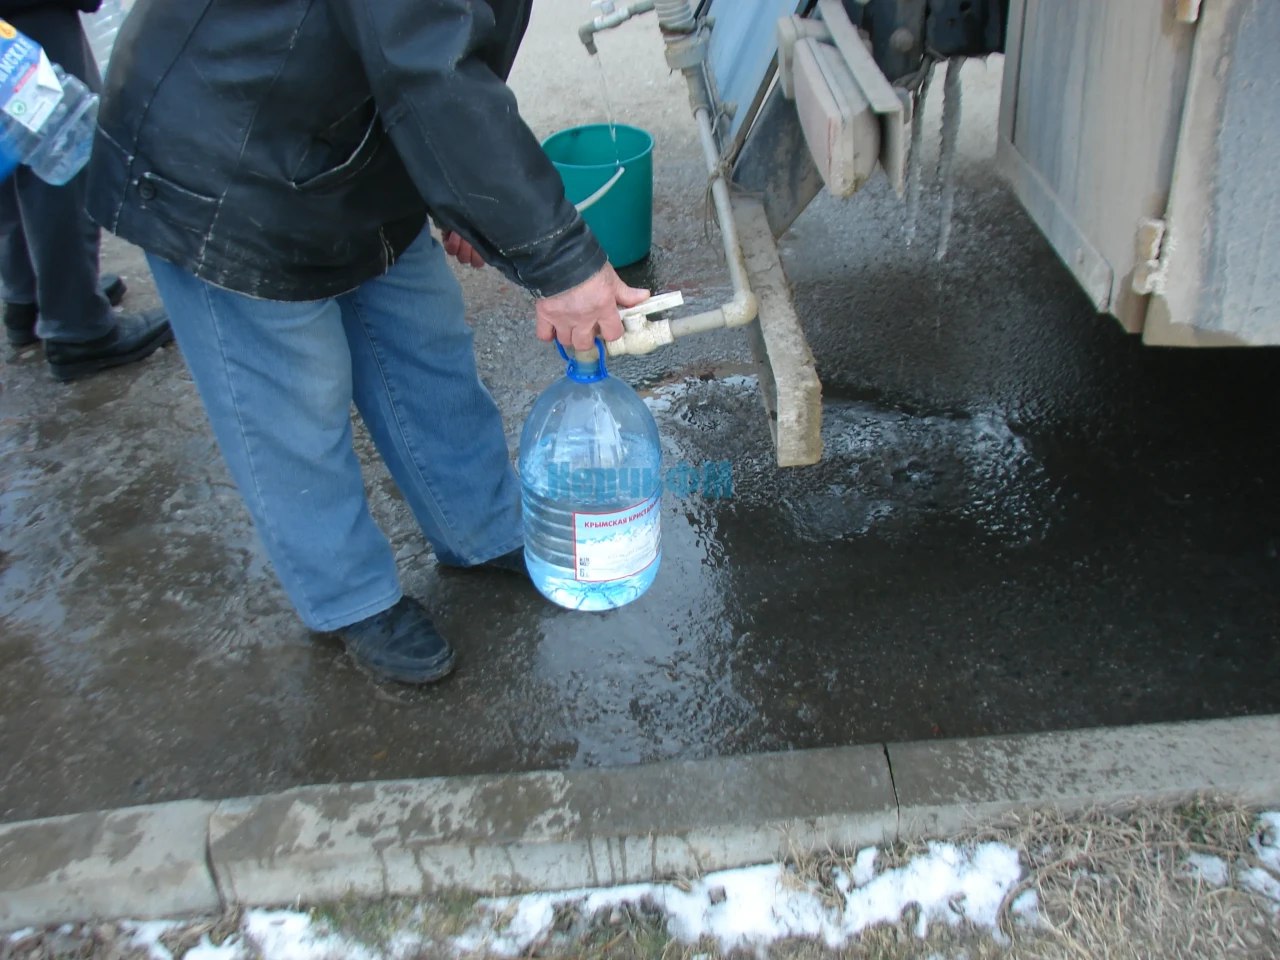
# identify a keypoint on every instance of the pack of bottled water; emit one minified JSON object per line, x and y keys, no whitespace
{"x":47,"y":117}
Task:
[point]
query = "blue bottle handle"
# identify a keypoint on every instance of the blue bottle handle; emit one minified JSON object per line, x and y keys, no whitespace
{"x":604,"y":370}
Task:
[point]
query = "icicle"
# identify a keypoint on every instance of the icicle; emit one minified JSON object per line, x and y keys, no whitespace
{"x":947,"y":154}
{"x":915,"y":162}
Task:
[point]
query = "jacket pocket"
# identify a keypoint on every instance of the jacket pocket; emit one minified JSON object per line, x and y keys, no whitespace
{"x":174,"y":203}
{"x":362,"y":125}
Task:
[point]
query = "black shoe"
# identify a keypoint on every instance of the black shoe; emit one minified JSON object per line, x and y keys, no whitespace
{"x":20,"y":324}
{"x":512,"y":562}
{"x":20,"y":318}
{"x":399,"y":644}
{"x":137,"y":335}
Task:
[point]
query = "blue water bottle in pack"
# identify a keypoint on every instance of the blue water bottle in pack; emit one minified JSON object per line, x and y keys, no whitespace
{"x":47,"y":117}
{"x":591,"y":475}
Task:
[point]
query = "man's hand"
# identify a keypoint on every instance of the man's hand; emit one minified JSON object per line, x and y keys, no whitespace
{"x":460,"y":250}
{"x":577,"y":316}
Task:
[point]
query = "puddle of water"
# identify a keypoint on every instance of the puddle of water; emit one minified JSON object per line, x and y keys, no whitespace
{"x":951,"y":568}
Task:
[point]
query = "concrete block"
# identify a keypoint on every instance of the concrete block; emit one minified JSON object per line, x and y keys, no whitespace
{"x":840,"y":128}
{"x":548,"y":830}
{"x":135,"y":862}
{"x":946,"y":786}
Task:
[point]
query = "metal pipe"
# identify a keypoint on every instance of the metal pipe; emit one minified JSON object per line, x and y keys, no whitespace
{"x":644,"y":336}
{"x":742,"y":308}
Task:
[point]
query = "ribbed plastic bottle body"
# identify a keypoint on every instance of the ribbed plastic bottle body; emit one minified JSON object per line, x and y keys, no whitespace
{"x":47,"y":118}
{"x":67,"y":139}
{"x":591,"y":475}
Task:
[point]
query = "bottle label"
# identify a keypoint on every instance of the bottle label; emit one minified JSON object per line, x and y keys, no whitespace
{"x":29,"y":89}
{"x":617,"y":545}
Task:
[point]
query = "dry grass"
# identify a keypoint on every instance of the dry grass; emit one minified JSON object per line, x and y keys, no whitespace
{"x":1115,"y":885}
{"x":1111,"y":885}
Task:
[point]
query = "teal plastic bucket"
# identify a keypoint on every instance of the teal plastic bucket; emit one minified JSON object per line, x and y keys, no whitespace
{"x":620,"y":213}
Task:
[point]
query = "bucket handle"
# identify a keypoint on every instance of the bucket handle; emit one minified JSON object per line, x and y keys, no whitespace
{"x":599,"y":194}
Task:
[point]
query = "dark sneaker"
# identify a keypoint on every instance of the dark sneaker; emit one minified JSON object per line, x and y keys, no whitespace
{"x":20,"y":318}
{"x":137,"y":335}
{"x":400,"y":644}
{"x":512,"y":562}
{"x":20,"y":324}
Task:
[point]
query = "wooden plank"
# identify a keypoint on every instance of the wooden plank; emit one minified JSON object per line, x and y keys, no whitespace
{"x":842,"y":133}
{"x":878,"y":90}
{"x":880,"y":93}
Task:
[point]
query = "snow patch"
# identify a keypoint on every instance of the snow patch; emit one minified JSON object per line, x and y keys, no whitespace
{"x":1266,"y":844}
{"x":1212,"y":870}
{"x":146,"y":936}
{"x":290,"y":935}
{"x":231,"y":949}
{"x":754,"y":906}
{"x":1262,"y":882}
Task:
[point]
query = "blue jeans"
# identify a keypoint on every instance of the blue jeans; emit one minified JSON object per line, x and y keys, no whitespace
{"x":277,"y":380}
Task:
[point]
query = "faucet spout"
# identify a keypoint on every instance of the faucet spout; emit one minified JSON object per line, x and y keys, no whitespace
{"x":587,"y":34}
{"x":610,"y":19}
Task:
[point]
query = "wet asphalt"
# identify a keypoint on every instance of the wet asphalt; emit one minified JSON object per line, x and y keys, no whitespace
{"x":1024,"y":521}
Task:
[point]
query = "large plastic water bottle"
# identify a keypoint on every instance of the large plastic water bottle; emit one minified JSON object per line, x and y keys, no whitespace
{"x":591,"y":474}
{"x":47,"y":117}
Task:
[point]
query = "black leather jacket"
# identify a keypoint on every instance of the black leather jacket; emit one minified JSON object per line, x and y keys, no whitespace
{"x":291,"y":149}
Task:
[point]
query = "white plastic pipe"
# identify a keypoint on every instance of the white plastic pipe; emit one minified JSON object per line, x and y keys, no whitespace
{"x":607,"y":21}
{"x":646,"y":336}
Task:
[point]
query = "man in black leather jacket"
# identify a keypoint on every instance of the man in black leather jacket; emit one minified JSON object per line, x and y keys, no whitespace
{"x":279,"y":160}
{"x":48,"y":246}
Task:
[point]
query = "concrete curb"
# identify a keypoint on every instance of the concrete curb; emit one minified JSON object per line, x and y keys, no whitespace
{"x":146,"y":860}
{"x":530,"y":831}
{"x":944,"y":786}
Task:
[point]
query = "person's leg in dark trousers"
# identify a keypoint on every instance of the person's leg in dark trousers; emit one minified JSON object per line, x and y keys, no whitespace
{"x":16,"y":275}
{"x":81,"y":332}
{"x":53,"y":221}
